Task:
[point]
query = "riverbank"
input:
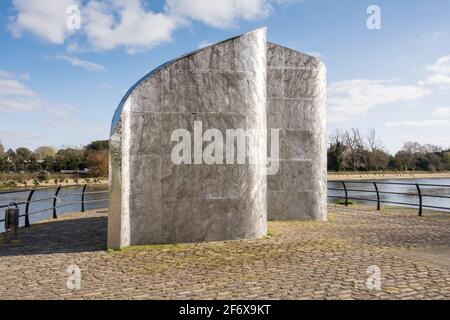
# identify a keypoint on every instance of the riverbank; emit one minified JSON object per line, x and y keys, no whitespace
{"x":332,"y":176}
{"x":33,"y":183}
{"x":337,"y":176}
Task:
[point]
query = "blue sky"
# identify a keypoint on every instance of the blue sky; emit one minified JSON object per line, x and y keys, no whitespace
{"x":60,"y":87}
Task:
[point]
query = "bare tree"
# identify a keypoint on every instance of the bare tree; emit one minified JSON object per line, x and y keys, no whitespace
{"x":375,"y":157}
{"x":431,"y":148}
{"x":372,"y":140}
{"x":403,"y":159}
{"x":355,"y":145}
{"x":412,"y":151}
{"x":336,"y":150}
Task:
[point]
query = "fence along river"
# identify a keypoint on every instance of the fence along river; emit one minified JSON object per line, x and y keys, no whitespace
{"x":435,"y":192}
{"x":69,"y":199}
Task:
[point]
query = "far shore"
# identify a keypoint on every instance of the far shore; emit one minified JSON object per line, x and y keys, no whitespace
{"x":30,"y":184}
{"x":332,"y":176}
{"x":337,"y":176}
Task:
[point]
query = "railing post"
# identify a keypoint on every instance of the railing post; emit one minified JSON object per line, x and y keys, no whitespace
{"x":346,"y":193}
{"x":419,"y":192}
{"x":54,"y":203}
{"x":82,"y":198}
{"x":378,"y":196}
{"x":27,"y":209}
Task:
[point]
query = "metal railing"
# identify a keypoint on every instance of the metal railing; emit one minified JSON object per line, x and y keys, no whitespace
{"x":376,"y":189}
{"x":56,"y":199}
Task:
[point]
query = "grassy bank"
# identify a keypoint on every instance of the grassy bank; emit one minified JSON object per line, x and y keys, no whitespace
{"x":380,"y":175}
{"x":31,"y":180}
{"x":18,"y":181}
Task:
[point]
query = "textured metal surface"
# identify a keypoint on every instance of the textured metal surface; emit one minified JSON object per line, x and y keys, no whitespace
{"x":296,"y":94}
{"x":118,"y":112}
{"x":153,"y":200}
{"x":241,"y":83}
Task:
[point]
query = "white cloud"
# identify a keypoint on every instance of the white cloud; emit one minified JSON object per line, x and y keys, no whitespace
{"x":440,"y":80}
{"x":219,"y":13}
{"x":64,"y":111}
{"x":353,"y":98}
{"x":10,"y":75}
{"x":12,"y":87}
{"x":19,"y":104}
{"x":20,"y":98}
{"x":85,"y":64}
{"x":46,"y":19}
{"x":6,"y":74}
{"x":15,"y":96}
{"x":440,"y":76}
{"x":106,"y":25}
{"x":443,"y":112}
{"x":128,"y":24}
{"x":441,"y":66}
{"x":419,"y":123}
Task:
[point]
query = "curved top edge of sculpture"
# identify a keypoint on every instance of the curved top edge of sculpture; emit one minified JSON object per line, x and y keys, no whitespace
{"x":319,"y":62}
{"x":119,"y":109}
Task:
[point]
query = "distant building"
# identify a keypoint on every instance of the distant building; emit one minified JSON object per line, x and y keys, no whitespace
{"x":84,"y":171}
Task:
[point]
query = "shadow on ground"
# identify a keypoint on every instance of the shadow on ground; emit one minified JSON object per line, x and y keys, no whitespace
{"x":60,"y":236}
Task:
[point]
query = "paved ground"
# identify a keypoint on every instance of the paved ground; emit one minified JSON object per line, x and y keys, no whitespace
{"x":300,"y":260}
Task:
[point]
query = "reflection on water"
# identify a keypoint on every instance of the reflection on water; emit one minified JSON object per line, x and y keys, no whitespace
{"x":411,"y":190}
{"x":69,"y":199}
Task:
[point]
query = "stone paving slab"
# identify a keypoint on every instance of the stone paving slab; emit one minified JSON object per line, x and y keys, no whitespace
{"x":299,"y":260}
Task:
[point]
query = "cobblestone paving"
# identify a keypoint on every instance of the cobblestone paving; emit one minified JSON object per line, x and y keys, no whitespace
{"x":299,"y":260}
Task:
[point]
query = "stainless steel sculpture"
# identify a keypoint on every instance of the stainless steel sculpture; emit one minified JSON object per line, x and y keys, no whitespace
{"x":296,"y":94}
{"x":225,"y":86}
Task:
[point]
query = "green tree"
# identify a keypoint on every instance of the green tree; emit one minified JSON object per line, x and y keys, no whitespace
{"x":69,"y":159}
{"x":98,"y":145}
{"x":44,"y":152}
{"x":10,"y":160}
{"x":23,"y":154}
{"x":97,"y":157}
{"x":44,"y":156}
{"x":23,"y":158}
{"x":98,"y":163}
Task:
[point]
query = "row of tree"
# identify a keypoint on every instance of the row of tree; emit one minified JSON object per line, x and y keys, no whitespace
{"x":352,"y":151}
{"x":94,"y":157}
{"x":347,"y":150}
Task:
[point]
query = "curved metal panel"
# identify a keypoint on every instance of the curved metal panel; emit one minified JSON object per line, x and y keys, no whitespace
{"x":222,"y":87}
{"x":118,"y":111}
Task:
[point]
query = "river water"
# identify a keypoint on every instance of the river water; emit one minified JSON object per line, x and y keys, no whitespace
{"x":68,"y":200}
{"x":70,"y":197}
{"x":413,"y":198}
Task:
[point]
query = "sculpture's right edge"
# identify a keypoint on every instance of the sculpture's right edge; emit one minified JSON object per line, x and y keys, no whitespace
{"x":296,"y":105}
